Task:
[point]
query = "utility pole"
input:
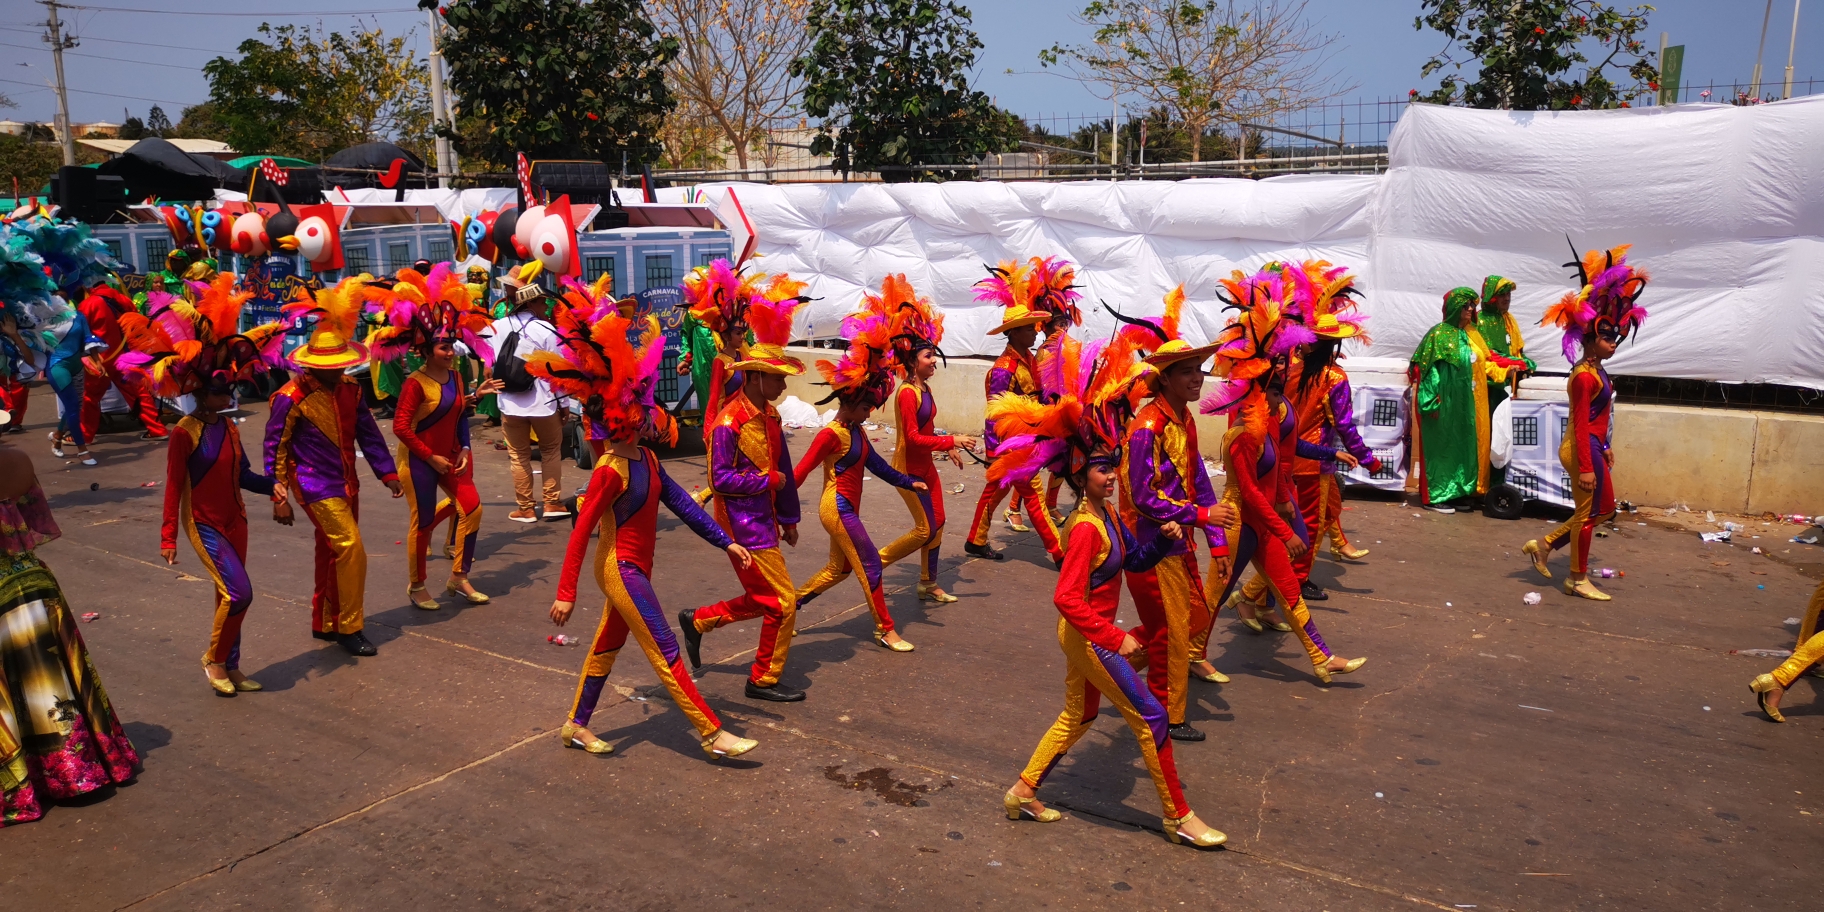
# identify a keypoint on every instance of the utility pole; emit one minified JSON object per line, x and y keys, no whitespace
{"x":59,"y":43}
{"x":1754,"y":85}
{"x":1790,"y":48}
{"x":440,"y":110}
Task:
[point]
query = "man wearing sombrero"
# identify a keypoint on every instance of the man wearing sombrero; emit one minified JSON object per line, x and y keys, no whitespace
{"x":1163,"y":481}
{"x":317,"y":421}
{"x":1013,"y":286}
{"x":756,"y":498}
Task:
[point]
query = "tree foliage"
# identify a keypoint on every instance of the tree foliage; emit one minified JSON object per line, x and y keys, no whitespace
{"x":199,"y":122}
{"x":308,"y":93}
{"x":890,"y":81}
{"x":1527,"y":52}
{"x":27,"y":165}
{"x":734,"y":67}
{"x":557,"y":78}
{"x":1203,"y":61}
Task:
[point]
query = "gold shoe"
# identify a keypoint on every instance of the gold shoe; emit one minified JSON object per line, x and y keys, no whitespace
{"x":928,"y":592}
{"x":1214,"y":677}
{"x":741,"y":746}
{"x":1761,"y":686}
{"x":429,"y":604}
{"x":1013,"y":522}
{"x":1537,"y":555}
{"x":1209,"y":840}
{"x":901,"y":646}
{"x":449,"y":552}
{"x":1280,"y":626}
{"x":1254,"y":625}
{"x":1017,"y":809}
{"x":1583,"y":588}
{"x":596,"y":746}
{"x":1351,"y":553}
{"x":248,"y":685}
{"x":473,"y":598}
{"x":222,"y":686}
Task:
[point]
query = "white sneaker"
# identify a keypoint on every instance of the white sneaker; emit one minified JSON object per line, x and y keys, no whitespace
{"x":87,"y":459}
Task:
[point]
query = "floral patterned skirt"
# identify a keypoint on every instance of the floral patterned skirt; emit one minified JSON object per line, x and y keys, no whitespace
{"x":58,"y":734}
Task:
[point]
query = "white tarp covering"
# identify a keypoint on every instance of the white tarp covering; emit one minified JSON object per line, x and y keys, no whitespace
{"x":1724,"y":206}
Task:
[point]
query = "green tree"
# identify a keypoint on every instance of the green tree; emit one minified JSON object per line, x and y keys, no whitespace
{"x":889,"y":80}
{"x":1528,"y":50}
{"x":199,"y":122}
{"x":157,"y":124}
{"x":27,"y":165}
{"x":310,"y":93}
{"x":557,"y":78}
{"x":132,"y":128}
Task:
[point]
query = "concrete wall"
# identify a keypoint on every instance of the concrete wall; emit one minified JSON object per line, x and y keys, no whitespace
{"x":1705,"y":458}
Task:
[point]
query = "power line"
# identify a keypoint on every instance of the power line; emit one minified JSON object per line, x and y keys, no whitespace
{"x":216,"y":14}
{"x":173,"y":47}
{"x":171,"y":66}
{"x":108,"y":94}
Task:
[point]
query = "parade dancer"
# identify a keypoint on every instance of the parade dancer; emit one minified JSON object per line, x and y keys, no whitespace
{"x":1079,"y":436}
{"x":317,"y":422}
{"x":614,"y":379}
{"x":1251,"y":360}
{"x":426,"y":316}
{"x":917,"y":330}
{"x":1018,"y":288}
{"x":197,"y":350}
{"x":103,"y":308}
{"x":756,"y":499}
{"x":1596,"y":319}
{"x":716,"y":298}
{"x":1064,"y":316}
{"x":1163,"y":480}
{"x":1322,"y":413}
{"x":860,"y":384}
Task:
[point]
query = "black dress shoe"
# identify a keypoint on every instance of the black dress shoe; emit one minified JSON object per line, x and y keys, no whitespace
{"x":357,"y":644}
{"x":1312,"y":593}
{"x":1184,"y":732}
{"x":982,"y":551}
{"x":693,"y":640}
{"x":776,"y":693}
{"x":323,"y":636}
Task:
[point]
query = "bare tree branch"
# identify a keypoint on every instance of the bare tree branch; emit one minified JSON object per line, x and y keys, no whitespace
{"x":731,"y":73}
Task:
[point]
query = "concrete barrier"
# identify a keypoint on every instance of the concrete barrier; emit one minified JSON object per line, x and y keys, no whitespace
{"x":1706,"y":458}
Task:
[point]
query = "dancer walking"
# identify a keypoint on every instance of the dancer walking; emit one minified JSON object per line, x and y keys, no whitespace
{"x":756,"y":500}
{"x":861,"y":383}
{"x":917,"y":330}
{"x":1596,"y":319}
{"x":614,"y":379}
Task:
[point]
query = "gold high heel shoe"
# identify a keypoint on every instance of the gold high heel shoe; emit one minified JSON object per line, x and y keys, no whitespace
{"x":596,"y":746}
{"x":1013,"y":522}
{"x":1209,"y":840}
{"x":223,"y":686}
{"x":928,"y":592}
{"x":1761,"y":686}
{"x":901,"y":646}
{"x":741,"y":746}
{"x":429,"y":604}
{"x":1017,"y":809}
{"x":1324,"y":671}
{"x":247,"y":685}
{"x":1214,"y":677}
{"x":1583,"y":588}
{"x":1537,"y":555}
{"x":1350,"y":553}
{"x":473,"y":598}
{"x":449,"y":552}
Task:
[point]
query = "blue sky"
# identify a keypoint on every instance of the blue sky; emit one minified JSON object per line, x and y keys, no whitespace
{"x":156,"y":57}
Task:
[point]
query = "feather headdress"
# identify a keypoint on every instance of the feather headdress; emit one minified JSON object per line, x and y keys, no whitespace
{"x":1078,"y":420}
{"x":865,"y":372}
{"x":611,"y":364}
{"x":26,"y":291}
{"x":1014,"y":287}
{"x":769,"y":315}
{"x":417,"y":310}
{"x":1605,"y":302}
{"x":718,"y":295}
{"x":1324,"y":300}
{"x":179,"y":347}
{"x":914,"y":323}
{"x":1259,"y":338}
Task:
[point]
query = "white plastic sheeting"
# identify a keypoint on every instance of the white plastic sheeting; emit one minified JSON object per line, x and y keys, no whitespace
{"x":1724,"y":207}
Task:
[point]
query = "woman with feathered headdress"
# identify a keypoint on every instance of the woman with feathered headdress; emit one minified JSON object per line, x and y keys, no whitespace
{"x":318,"y":421}
{"x":1019,"y":288}
{"x":1078,"y":434}
{"x":614,"y":376}
{"x":1596,"y":319}
{"x":1055,"y":292}
{"x":917,"y":329}
{"x":1450,"y":374}
{"x":426,"y":316}
{"x":1252,"y":359}
{"x":1323,"y":416}
{"x":197,"y":349}
{"x":860,"y":383}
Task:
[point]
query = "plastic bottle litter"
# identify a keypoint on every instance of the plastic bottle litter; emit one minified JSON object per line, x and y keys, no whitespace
{"x":1709,"y":516}
{"x":561,"y":639}
{"x":1606,"y":573}
{"x":1762,"y":653}
{"x":957,"y":488}
{"x":1722,"y":536}
{"x":1532,"y":598}
{"x":91,"y":616}
{"x":1732,"y":527}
